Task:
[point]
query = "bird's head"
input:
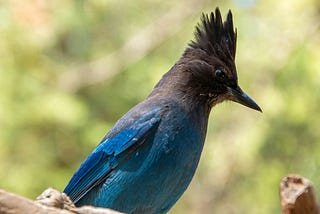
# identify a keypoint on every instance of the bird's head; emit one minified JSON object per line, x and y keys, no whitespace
{"x":210,"y":62}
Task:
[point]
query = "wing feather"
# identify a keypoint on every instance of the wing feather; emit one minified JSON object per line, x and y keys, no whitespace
{"x":109,"y":154}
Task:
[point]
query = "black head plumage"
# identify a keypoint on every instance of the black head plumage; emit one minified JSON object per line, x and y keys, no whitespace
{"x":215,"y":37}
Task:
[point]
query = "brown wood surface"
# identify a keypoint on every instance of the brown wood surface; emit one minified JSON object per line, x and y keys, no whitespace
{"x":51,"y":201}
{"x":297,"y":196}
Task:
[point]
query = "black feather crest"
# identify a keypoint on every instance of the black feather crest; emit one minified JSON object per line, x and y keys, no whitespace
{"x":214,"y":37}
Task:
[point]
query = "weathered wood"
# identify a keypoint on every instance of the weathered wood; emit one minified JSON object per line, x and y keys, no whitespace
{"x":297,"y":196}
{"x":51,"y":201}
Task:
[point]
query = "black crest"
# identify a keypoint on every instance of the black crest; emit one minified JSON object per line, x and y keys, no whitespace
{"x":216,"y":37}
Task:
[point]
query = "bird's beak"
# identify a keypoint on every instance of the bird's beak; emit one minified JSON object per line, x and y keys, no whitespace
{"x":237,"y":95}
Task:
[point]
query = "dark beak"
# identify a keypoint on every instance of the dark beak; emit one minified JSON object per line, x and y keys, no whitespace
{"x":237,"y":95}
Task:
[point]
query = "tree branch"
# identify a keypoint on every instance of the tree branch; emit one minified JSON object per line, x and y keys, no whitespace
{"x":297,"y":196}
{"x":51,"y":201}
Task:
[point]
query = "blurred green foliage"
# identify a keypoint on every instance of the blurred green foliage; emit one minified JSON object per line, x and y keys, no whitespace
{"x":55,"y":106}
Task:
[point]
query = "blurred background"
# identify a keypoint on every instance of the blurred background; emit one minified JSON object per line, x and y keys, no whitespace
{"x":70,"y":69}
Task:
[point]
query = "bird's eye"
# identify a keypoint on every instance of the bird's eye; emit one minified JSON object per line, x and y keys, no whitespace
{"x":220,"y":73}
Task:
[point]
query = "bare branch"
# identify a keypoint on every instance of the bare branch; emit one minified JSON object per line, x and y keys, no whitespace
{"x":297,"y":196}
{"x":51,"y":201}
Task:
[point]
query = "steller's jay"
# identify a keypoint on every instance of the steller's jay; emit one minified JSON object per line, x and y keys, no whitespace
{"x":147,"y":160}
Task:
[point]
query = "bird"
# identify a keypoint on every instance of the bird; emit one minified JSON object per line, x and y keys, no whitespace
{"x":148,"y":158}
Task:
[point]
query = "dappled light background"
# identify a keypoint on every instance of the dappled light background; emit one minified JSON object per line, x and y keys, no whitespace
{"x":70,"y":69}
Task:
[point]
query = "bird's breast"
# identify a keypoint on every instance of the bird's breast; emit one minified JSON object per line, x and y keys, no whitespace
{"x":160,"y":170}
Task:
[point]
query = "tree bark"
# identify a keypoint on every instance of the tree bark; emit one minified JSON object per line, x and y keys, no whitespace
{"x":51,"y":201}
{"x":297,"y":196}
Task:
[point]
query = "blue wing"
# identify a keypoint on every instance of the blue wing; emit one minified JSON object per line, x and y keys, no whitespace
{"x":109,"y":154}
